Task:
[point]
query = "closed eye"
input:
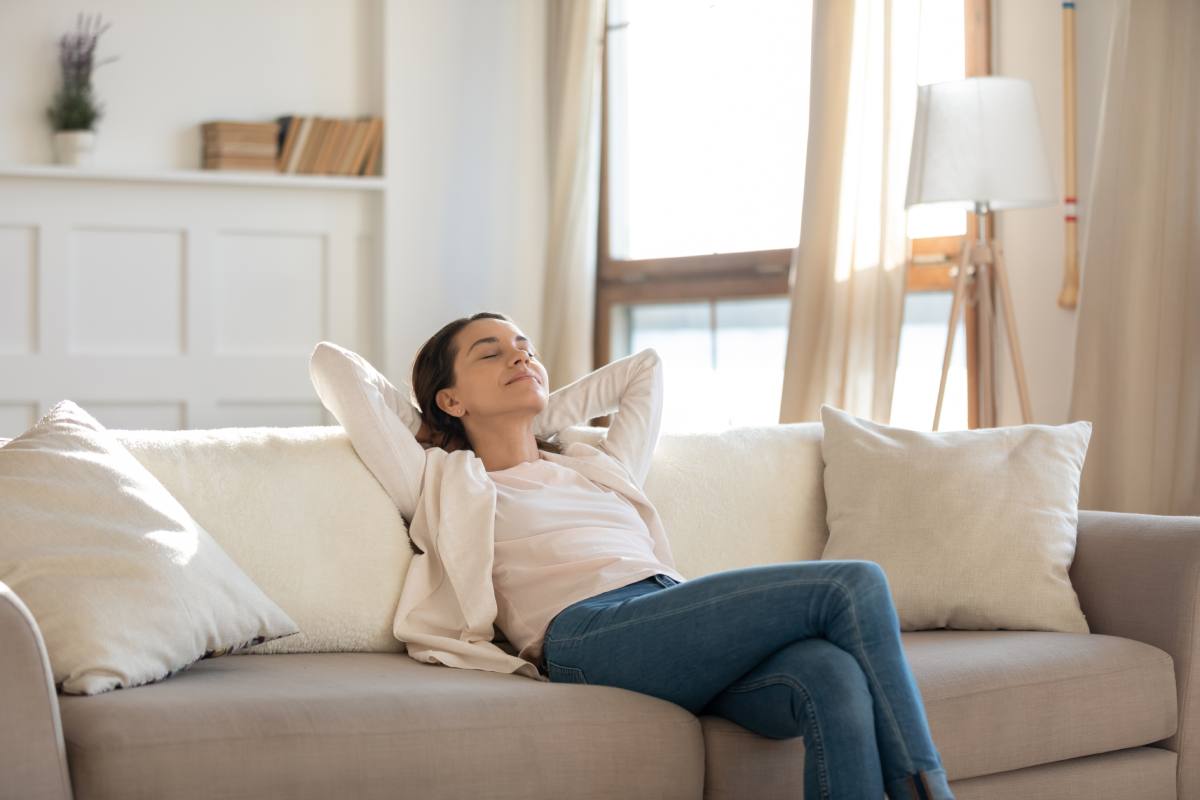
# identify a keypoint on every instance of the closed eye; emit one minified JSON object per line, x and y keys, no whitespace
{"x":493,"y":355}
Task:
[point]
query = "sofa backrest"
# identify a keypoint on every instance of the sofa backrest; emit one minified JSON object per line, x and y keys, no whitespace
{"x":743,"y":496}
{"x":306,"y":520}
{"x":300,"y":513}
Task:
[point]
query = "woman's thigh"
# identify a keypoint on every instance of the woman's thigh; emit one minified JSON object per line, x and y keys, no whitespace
{"x":688,"y":642}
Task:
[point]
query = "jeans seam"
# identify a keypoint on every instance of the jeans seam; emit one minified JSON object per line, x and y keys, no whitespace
{"x":810,"y":712}
{"x":710,"y":601}
{"x":811,"y":709}
{"x":870,"y":670}
{"x":768,"y":680}
{"x":574,"y":670}
{"x":547,"y":639}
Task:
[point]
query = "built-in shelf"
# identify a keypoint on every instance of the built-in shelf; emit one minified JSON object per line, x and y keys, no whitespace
{"x":201,"y":176}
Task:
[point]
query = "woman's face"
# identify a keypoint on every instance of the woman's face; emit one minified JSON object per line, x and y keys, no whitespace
{"x":497,"y":372}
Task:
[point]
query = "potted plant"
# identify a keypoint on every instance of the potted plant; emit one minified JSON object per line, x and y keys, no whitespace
{"x":75,"y":111}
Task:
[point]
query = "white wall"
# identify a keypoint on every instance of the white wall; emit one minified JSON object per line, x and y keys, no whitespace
{"x":466,"y":227}
{"x":1027,"y":43}
{"x":180,"y":63}
{"x":460,"y":224}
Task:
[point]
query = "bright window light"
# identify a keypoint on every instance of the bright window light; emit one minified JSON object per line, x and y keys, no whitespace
{"x":941,"y":56}
{"x":922,"y":346}
{"x":722,"y":361}
{"x":708,"y":121}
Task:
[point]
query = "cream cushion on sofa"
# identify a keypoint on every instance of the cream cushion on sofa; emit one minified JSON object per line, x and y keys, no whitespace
{"x":302,"y":516}
{"x":126,"y":587}
{"x":974,"y":529}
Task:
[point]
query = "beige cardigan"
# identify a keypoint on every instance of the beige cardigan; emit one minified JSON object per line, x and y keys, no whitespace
{"x":447,"y":605}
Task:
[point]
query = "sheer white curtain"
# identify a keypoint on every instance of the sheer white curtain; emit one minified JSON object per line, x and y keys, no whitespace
{"x":574,"y":37}
{"x":847,"y":277}
{"x":1137,"y":355}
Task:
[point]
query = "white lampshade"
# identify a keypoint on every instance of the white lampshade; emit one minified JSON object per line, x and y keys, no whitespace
{"x":978,"y":140}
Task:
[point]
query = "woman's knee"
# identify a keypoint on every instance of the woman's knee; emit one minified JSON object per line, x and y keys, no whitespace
{"x":863,"y":572}
{"x":864,"y":582}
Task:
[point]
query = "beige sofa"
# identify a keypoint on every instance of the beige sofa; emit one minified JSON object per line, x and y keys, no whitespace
{"x":1015,"y":714}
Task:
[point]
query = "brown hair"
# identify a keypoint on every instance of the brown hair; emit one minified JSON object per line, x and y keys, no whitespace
{"x":433,"y":370}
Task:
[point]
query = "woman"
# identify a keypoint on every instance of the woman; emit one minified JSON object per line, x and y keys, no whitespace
{"x":806,"y":649}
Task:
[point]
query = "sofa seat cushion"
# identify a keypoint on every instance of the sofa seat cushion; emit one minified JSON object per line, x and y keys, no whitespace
{"x":997,"y":701}
{"x":375,"y":725}
{"x":1002,"y":700}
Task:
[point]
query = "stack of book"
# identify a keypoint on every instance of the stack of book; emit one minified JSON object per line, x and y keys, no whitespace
{"x":331,"y":146}
{"x":240,"y":145}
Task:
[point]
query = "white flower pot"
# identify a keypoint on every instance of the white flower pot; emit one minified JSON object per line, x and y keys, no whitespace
{"x":74,"y":147}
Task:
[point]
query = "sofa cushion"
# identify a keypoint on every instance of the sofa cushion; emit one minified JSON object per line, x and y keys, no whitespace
{"x":1001,"y":700}
{"x":1004,"y":700}
{"x":298,"y":511}
{"x":376,"y":725}
{"x":975,"y":529}
{"x":126,"y":587}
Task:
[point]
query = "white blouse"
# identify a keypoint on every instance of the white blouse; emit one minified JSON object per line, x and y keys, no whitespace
{"x":560,"y":538}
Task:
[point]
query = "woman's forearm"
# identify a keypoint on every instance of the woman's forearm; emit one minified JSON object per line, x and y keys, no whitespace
{"x":631,"y":387}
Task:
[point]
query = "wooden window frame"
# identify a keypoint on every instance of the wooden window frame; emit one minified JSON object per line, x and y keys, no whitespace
{"x":765,"y":273}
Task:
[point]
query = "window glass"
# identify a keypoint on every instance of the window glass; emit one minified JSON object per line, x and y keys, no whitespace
{"x":708,"y":119}
{"x":919,"y":368}
{"x":722,"y":361}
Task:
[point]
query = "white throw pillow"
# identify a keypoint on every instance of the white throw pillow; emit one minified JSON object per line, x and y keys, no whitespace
{"x":125,"y":586}
{"x":974,"y":529}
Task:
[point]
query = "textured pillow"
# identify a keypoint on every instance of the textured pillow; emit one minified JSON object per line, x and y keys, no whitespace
{"x":302,"y":516}
{"x":126,"y":588}
{"x":974,"y":529}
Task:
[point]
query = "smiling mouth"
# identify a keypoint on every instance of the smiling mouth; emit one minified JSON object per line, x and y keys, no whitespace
{"x":523,"y":377}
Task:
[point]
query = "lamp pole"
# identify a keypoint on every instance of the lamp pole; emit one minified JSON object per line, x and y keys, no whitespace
{"x":980,"y":272}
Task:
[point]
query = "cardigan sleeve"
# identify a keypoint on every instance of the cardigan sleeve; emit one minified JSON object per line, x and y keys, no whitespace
{"x":632,"y":387}
{"x":379,"y":418}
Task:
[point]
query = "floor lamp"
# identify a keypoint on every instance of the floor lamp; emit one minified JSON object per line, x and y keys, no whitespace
{"x":977,"y":144}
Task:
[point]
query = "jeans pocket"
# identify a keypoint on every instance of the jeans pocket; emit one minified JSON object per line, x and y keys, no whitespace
{"x":561,"y":674}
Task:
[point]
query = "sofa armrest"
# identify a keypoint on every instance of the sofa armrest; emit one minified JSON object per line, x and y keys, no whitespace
{"x":33,"y":756}
{"x":1138,"y":576}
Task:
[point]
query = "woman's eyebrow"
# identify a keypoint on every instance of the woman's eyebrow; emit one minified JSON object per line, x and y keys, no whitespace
{"x":492,"y":339}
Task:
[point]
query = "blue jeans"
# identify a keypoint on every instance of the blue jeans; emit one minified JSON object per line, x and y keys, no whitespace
{"x":803,"y":648}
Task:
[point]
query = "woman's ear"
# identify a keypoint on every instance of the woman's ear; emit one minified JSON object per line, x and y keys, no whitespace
{"x":447,"y":402}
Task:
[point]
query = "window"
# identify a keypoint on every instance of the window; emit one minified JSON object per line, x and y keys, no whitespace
{"x":722,"y":359}
{"x":702,"y":173}
{"x":708,"y":113}
{"x":704,"y":120}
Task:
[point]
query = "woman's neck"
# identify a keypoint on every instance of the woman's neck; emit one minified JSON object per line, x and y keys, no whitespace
{"x":504,"y":444}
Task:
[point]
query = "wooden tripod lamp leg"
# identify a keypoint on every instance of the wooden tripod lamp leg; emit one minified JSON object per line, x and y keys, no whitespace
{"x":1010,"y":327}
{"x":960,"y":283}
